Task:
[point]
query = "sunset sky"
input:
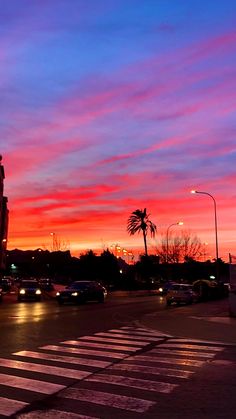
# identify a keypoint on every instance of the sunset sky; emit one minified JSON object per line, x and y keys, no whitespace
{"x":108,"y":106}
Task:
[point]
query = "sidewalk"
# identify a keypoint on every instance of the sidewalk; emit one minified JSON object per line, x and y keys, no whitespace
{"x":213,"y":323}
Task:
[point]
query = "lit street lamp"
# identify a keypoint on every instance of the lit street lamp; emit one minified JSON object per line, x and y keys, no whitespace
{"x":216,"y":234}
{"x":179,"y":223}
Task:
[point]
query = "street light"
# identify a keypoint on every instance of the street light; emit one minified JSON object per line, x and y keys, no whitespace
{"x":179,"y":223}
{"x":216,"y":234}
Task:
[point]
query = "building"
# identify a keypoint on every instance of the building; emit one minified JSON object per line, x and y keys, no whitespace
{"x":4,"y":215}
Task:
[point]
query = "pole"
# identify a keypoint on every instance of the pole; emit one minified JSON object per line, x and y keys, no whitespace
{"x":216,"y":230}
{"x":179,"y":223}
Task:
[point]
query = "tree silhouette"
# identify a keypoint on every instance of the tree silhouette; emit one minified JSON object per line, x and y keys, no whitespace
{"x":139,"y":221}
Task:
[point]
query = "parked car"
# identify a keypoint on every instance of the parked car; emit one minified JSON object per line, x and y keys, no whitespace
{"x":181,"y":294}
{"x":29,"y":290}
{"x":5,"y":284}
{"x":81,"y":291}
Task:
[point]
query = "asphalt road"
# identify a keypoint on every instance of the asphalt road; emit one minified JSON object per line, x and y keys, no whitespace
{"x":126,"y":359}
{"x":31,"y":324}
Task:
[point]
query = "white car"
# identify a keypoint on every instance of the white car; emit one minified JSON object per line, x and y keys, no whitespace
{"x":181,"y":294}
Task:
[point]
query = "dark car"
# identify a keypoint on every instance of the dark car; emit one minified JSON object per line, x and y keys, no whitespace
{"x":81,"y":291}
{"x":29,"y":290}
{"x":5,"y":284}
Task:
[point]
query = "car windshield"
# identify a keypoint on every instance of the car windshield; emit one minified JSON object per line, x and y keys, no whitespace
{"x":79,"y":285}
{"x":29,"y":284}
{"x":181,"y":287}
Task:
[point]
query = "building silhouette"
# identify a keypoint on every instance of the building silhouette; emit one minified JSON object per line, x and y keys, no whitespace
{"x":4,"y":216}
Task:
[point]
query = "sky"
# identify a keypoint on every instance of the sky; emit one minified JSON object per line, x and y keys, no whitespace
{"x":108,"y":106}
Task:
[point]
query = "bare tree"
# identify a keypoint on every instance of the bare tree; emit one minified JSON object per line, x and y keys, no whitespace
{"x":181,"y":247}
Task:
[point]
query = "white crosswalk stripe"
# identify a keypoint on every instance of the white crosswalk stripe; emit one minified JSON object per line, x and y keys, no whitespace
{"x":180,"y":352}
{"x":122,"y":341}
{"x":81,"y":343}
{"x":108,"y":399}
{"x":149,"y":385}
{"x":174,"y":361}
{"x":9,"y":406}
{"x":52,"y":414}
{"x":191,"y":346}
{"x":127,"y":335}
{"x":65,"y":359}
{"x":107,"y":363}
{"x":168,"y":372}
{"x":29,"y":384}
{"x":80,"y":351}
{"x":44,"y":369}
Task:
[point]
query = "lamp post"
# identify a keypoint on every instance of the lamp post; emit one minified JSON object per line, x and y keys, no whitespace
{"x":215,"y":216}
{"x":179,"y":223}
{"x":216,"y":233}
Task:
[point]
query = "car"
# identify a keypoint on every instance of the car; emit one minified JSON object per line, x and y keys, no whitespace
{"x":5,"y":284}
{"x":29,"y":290}
{"x":81,"y":291}
{"x":181,"y":294}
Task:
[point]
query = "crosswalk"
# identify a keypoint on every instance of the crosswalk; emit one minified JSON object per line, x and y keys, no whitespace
{"x":119,"y":370}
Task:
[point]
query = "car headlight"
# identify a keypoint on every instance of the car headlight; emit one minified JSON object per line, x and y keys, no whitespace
{"x":74,"y":294}
{"x":38,"y":292}
{"x":57,"y":294}
{"x":22,"y":291}
{"x":160,"y":289}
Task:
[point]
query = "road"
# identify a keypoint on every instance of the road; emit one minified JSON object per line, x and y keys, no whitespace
{"x":127,"y":358}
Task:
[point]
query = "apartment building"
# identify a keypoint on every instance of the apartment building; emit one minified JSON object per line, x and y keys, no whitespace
{"x":4,"y":216}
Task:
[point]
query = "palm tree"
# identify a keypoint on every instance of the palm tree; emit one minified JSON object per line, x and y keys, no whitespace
{"x":139,"y":221}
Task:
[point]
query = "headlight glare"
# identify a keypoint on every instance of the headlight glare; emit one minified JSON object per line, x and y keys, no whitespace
{"x":22,"y":291}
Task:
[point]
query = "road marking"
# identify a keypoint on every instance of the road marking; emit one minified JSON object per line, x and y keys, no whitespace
{"x":126,"y":335}
{"x":146,"y":331}
{"x":87,"y":352}
{"x":8,"y":406}
{"x":37,"y":386}
{"x":187,"y":346}
{"x":64,"y":359}
{"x":147,"y":385}
{"x":183,"y":353}
{"x":100,"y":345}
{"x":115,"y":344}
{"x":126,"y":331}
{"x":122,"y":341}
{"x":175,"y":361}
{"x":52,"y":414}
{"x":169,"y":372}
{"x":219,"y":319}
{"x":186,"y":340}
{"x":108,"y":399}
{"x":44,"y":369}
